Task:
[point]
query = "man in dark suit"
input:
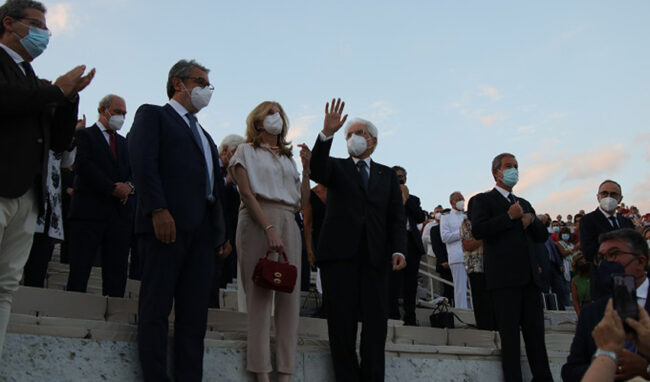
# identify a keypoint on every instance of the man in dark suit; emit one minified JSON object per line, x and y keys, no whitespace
{"x":602,"y":219}
{"x":509,"y":228}
{"x":362,"y":236}
{"x":36,"y":117}
{"x":406,"y":280}
{"x":442,"y":260}
{"x":179,"y":218}
{"x":629,"y":249}
{"x":101,"y":210}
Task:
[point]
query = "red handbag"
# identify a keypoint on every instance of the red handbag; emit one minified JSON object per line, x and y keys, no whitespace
{"x":276,"y":275}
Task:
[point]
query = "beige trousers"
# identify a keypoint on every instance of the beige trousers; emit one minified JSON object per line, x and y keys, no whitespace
{"x":251,"y":246}
{"x":17,"y":224}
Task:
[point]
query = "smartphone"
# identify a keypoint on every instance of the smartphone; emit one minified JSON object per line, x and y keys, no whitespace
{"x":624,"y":295}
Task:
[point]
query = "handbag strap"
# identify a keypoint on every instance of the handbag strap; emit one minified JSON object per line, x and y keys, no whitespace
{"x":283,"y":255}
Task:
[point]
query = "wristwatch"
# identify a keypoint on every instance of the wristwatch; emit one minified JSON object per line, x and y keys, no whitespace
{"x":606,"y":353}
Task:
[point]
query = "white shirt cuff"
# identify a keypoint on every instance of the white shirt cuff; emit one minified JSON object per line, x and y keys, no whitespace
{"x":399,"y":254}
{"x":323,"y":137}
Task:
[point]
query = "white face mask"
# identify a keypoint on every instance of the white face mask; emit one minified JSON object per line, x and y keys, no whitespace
{"x":608,"y":204}
{"x":200,"y":97}
{"x":460,"y":205}
{"x":273,"y":124}
{"x":438,"y":216}
{"x":357,"y":145}
{"x":115,"y":122}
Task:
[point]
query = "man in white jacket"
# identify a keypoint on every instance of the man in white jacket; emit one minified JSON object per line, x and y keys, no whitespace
{"x":450,"y":235}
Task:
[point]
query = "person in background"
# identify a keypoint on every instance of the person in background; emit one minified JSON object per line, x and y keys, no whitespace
{"x":473,"y":256}
{"x":36,"y":117}
{"x":580,"y":292}
{"x":450,"y":234}
{"x":442,"y":258}
{"x":566,"y":249}
{"x":271,"y":192}
{"x":430,"y":257}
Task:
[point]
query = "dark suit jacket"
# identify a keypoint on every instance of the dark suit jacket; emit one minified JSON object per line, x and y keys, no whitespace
{"x":415,"y":216}
{"x":36,"y":117}
{"x":592,"y":225}
{"x":351,"y":210}
{"x":508,"y":249}
{"x":583,"y":346}
{"x":439,"y":249}
{"x":169,"y":172}
{"x":96,"y":172}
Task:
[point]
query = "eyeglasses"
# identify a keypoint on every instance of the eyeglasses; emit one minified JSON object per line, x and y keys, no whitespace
{"x":605,"y":194}
{"x":201,"y":81}
{"x":614,"y":254}
{"x":36,"y":23}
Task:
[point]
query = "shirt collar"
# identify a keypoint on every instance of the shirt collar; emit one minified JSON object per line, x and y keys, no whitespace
{"x":642,"y":290}
{"x":356,"y":160}
{"x":102,"y":127}
{"x":503,"y":191}
{"x":180,"y":109}
{"x":606,"y":214}
{"x":18,"y":59}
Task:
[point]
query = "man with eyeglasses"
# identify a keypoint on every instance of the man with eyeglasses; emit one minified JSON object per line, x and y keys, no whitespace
{"x":36,"y":117}
{"x":628,"y":249}
{"x":179,"y":220}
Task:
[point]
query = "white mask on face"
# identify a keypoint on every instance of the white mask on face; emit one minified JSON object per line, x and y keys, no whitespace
{"x":115,"y":122}
{"x":438,"y":216}
{"x":608,"y":204}
{"x":460,"y":205}
{"x":200,"y":97}
{"x":357,"y":145}
{"x":273,"y":124}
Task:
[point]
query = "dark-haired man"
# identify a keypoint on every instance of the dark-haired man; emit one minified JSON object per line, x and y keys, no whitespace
{"x":36,"y":117}
{"x":629,"y":251}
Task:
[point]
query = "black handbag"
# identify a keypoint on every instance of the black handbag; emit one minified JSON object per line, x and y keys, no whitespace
{"x":441,"y":317}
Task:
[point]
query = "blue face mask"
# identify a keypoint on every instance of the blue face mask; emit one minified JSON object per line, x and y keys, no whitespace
{"x":605,"y":271}
{"x":36,"y":41}
{"x":566,"y":236}
{"x":510,"y":177}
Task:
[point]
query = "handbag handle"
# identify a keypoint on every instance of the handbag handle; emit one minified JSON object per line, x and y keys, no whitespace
{"x":284,"y":255}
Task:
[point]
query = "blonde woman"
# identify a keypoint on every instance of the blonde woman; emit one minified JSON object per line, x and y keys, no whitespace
{"x":271,"y":192}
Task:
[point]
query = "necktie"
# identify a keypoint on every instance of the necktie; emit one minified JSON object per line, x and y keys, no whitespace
{"x":197,"y":138}
{"x":111,"y":142}
{"x":29,"y":72}
{"x":612,"y":219}
{"x":362,"y":166}
{"x":511,"y":198}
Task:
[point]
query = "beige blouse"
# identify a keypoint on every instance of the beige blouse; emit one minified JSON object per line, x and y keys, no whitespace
{"x":271,"y":177}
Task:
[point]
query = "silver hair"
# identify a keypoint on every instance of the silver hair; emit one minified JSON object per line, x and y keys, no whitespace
{"x":231,"y":142}
{"x":372,"y":129}
{"x":496,"y":162}
{"x":181,"y":70}
{"x":106,"y":101}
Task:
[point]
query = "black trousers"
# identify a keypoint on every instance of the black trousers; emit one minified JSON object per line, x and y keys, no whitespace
{"x":180,"y":273}
{"x":482,"y":302}
{"x":39,"y":257}
{"x":558,"y":286}
{"x":112,"y":237}
{"x":355,"y":291}
{"x":515,"y":308}
{"x":405,"y":283}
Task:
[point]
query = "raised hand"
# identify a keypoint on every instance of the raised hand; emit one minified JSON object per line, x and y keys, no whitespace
{"x":74,"y":81}
{"x":305,"y":156}
{"x":333,"y":121}
{"x":85,"y":81}
{"x":515,"y":211}
{"x":81,"y":123}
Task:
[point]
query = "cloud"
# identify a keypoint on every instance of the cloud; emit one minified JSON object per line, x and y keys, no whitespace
{"x":61,"y":18}
{"x":604,"y":159}
{"x":526,"y":130}
{"x":490,"y":92}
{"x":538,"y":174}
{"x":639,"y":196}
{"x":491,"y":119}
{"x":380,"y":111}
{"x":300,"y":127}
{"x":568,"y":201}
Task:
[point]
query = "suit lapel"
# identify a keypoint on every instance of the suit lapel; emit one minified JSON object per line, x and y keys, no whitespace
{"x":184,"y":126}
{"x":352,"y":169}
{"x":604,"y":222}
{"x":375,"y":173}
{"x":496,"y":195}
{"x":99,"y":136}
{"x":11,"y":64}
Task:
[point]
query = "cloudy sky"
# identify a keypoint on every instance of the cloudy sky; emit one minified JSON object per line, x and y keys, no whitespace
{"x":565,"y":86}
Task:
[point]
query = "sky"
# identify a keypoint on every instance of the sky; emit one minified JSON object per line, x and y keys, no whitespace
{"x":565,"y":86}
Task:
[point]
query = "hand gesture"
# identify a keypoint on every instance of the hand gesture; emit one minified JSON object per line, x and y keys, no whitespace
{"x":515,"y":211}
{"x":333,"y":121}
{"x":305,"y":156}
{"x":81,"y":123}
{"x":399,"y":262}
{"x":609,"y":334}
{"x":527,"y":219}
{"x":74,"y":81}
{"x":641,"y":330}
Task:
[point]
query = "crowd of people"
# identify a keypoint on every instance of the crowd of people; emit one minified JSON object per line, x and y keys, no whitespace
{"x":166,"y":206}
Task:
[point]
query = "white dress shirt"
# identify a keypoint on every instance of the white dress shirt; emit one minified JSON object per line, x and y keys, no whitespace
{"x":504,"y":192}
{"x":426,"y":237}
{"x":105,"y":132}
{"x":207,"y":152}
{"x":451,"y":236}
{"x":607,"y":216}
{"x":18,"y":59}
{"x":642,"y":293}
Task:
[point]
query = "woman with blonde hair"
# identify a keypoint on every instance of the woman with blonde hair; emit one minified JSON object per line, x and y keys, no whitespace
{"x":271,"y":193}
